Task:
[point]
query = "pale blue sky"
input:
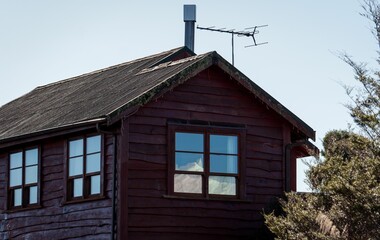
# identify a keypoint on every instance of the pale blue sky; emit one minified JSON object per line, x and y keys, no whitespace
{"x":46,"y":41}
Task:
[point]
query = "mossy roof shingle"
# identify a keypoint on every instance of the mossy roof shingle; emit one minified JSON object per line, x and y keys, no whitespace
{"x":105,"y":94}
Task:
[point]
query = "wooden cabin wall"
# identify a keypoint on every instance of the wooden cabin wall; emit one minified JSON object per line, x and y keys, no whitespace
{"x":210,"y":96}
{"x":3,"y":186}
{"x":56,"y":220}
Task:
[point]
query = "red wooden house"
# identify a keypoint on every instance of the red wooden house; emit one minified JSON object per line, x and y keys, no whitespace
{"x":170,"y":146}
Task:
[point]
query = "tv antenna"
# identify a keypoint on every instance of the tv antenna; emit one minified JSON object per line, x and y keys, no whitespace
{"x":247,"y":32}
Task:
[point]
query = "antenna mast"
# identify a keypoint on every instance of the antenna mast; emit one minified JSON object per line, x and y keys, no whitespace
{"x":246,"y":33}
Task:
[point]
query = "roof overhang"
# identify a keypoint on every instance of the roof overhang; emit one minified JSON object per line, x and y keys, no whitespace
{"x":52,"y":132}
{"x":200,"y":64}
{"x":265,"y":97}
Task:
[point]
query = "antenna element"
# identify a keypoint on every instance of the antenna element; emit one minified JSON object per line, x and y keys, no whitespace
{"x":249,"y":33}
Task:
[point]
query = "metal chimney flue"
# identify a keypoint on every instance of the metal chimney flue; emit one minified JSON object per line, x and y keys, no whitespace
{"x":189,"y":12}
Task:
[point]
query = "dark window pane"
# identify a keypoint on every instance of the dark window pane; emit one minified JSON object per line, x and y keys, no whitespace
{"x":93,"y":163}
{"x":93,"y":144}
{"x":222,"y":185}
{"x":31,"y":174}
{"x":33,"y":195}
{"x":15,"y":177}
{"x":223,"y":164}
{"x":223,"y":144}
{"x":17,"y":197}
{"x":76,"y":166}
{"x":31,"y":157}
{"x":192,"y":142}
{"x":95,"y":184}
{"x":16,"y":160}
{"x":76,"y":148}
{"x":189,"y":161}
{"x":187,"y":183}
{"x":78,"y":187}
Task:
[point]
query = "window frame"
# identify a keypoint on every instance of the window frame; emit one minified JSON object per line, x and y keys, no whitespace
{"x":24,"y":187}
{"x":207,"y":130}
{"x":86,"y":182}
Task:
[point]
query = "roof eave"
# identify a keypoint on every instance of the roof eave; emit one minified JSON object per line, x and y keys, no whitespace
{"x":51,"y":132}
{"x":199,"y":65}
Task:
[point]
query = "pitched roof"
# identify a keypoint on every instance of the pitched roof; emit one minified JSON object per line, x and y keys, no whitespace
{"x":104,"y":95}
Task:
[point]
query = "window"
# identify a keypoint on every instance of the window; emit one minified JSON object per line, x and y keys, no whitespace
{"x":206,"y":162}
{"x":23,"y":178}
{"x":84,"y":168}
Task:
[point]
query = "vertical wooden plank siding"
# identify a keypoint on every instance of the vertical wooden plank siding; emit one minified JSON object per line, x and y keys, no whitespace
{"x":123,"y":181}
{"x":54,"y":219}
{"x":3,"y":200}
{"x":210,"y":96}
{"x":143,"y":207}
{"x":286,"y":166}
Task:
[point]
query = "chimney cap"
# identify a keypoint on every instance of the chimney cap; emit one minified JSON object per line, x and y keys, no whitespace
{"x":189,"y":13}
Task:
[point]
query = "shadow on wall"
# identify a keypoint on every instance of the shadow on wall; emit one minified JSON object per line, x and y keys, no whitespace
{"x":272,"y":206}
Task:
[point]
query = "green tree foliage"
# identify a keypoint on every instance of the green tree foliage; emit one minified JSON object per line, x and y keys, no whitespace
{"x":345,"y":203}
{"x":346,"y":199}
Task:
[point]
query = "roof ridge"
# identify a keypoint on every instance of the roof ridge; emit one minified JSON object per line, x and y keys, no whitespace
{"x":107,"y":68}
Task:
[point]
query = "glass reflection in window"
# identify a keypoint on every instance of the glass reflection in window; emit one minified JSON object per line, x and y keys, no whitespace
{"x":187,"y":183}
{"x":222,"y":185}
{"x":76,"y":148}
{"x":17,"y":197}
{"x":33,"y":195}
{"x":95,"y":184}
{"x":223,"y":164}
{"x":223,"y":144}
{"x":78,"y":187}
{"x":189,"y":142}
{"x":93,"y":144}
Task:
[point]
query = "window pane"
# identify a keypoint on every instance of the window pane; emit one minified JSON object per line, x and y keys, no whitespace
{"x":78,"y":187}
{"x":192,"y":142}
{"x":76,"y":166}
{"x":93,"y":144}
{"x":187,"y":183}
{"x":31,"y":174}
{"x":189,"y":161}
{"x":76,"y":148}
{"x":31,"y":157}
{"x":95,"y":184}
{"x":222,"y":185}
{"x":93,"y":163}
{"x":15,"y":177}
{"x":223,"y":144}
{"x":33,"y":195}
{"x":223,"y":164}
{"x":17,"y":197}
{"x":16,"y":160}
